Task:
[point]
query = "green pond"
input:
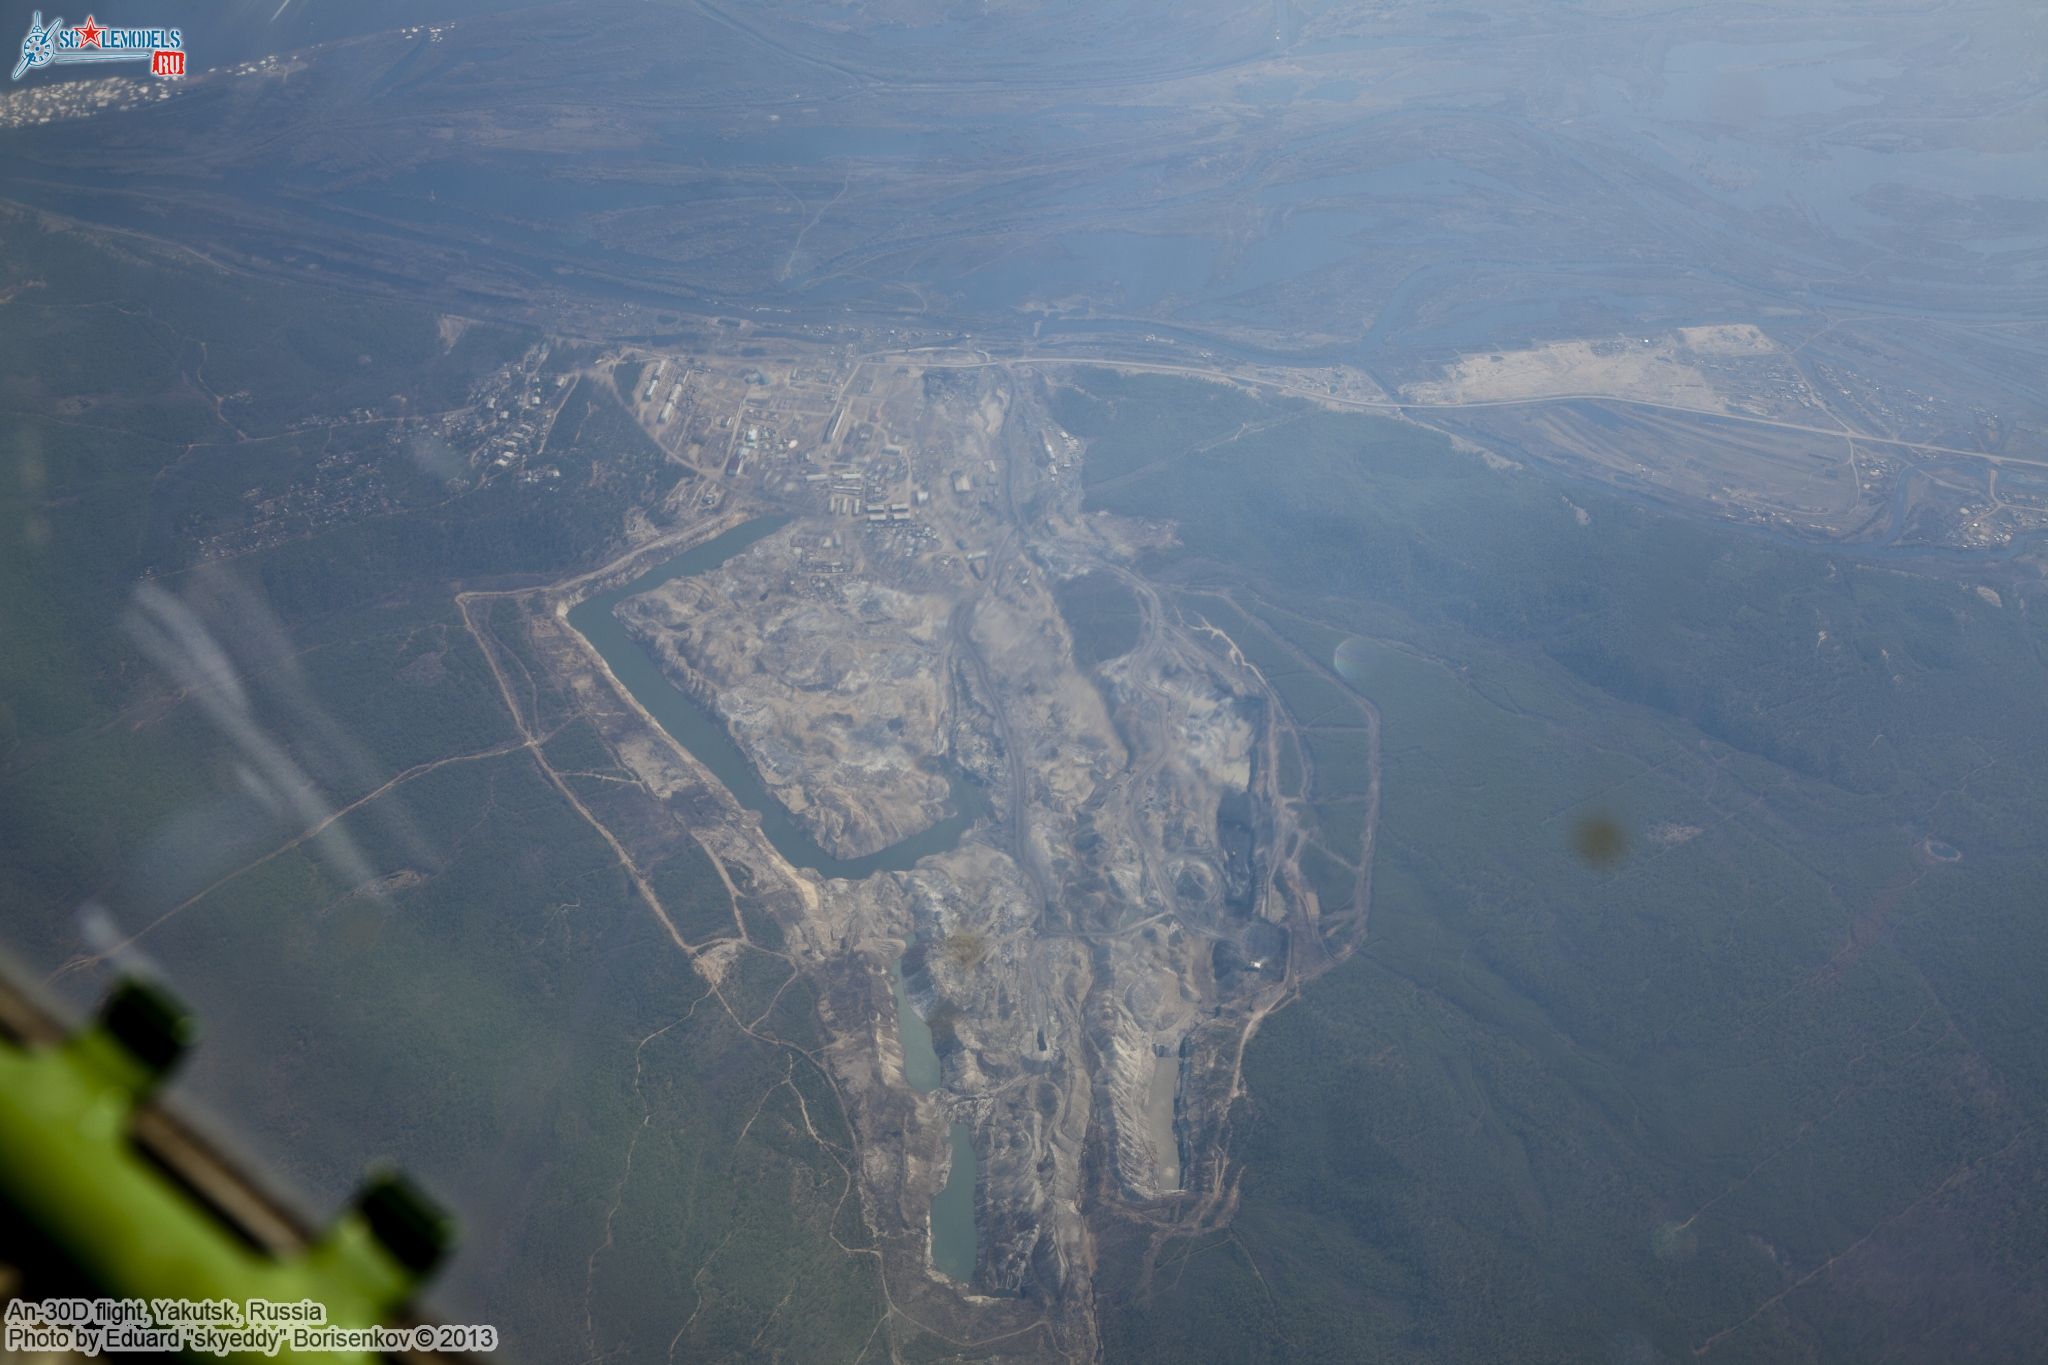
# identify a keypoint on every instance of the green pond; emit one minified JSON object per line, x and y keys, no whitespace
{"x":920,"y":1062}
{"x":953,"y":1243}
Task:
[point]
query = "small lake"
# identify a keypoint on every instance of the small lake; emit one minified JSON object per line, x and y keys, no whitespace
{"x":953,"y":1240}
{"x":920,"y":1060}
{"x":694,"y":726}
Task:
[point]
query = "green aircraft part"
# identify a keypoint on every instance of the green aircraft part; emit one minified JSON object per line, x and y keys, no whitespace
{"x":69,"y":1166}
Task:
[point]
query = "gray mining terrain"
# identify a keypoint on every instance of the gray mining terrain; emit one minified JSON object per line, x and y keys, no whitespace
{"x":1072,"y":854}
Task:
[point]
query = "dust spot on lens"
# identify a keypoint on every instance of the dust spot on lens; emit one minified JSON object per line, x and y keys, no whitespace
{"x":1599,"y":841}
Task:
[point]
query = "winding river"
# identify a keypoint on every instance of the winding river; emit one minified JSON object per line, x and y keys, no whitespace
{"x":699,"y":730}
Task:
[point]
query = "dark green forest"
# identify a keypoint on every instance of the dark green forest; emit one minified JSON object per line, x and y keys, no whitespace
{"x":1720,"y":1091}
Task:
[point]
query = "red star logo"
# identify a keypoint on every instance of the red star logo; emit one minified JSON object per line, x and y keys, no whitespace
{"x":89,"y":33}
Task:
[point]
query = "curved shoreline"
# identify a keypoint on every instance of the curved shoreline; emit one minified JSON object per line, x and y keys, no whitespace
{"x":694,"y":726}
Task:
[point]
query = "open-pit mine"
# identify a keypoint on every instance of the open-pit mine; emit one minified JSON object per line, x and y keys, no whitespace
{"x":836,"y":660}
